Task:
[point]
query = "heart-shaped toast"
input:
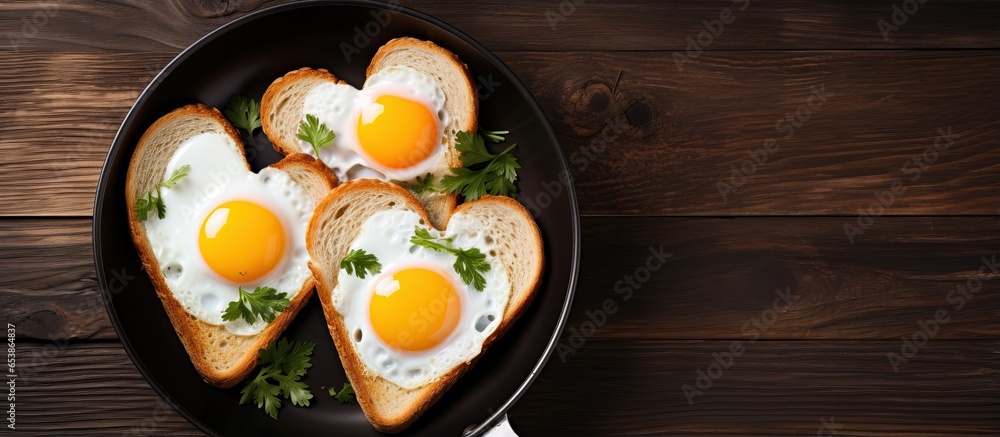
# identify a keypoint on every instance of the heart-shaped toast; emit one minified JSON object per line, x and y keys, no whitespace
{"x":208,"y":230}
{"x":411,"y":308}
{"x":400,"y":126}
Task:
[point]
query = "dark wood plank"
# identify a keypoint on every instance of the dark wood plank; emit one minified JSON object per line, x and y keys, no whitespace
{"x":775,"y":387}
{"x":54,"y":138}
{"x":617,"y":387}
{"x":48,"y":285}
{"x":684,"y":135}
{"x":57,"y":314}
{"x":91,"y":388}
{"x":721,"y":276}
{"x":680,"y":134}
{"x":545,"y":25}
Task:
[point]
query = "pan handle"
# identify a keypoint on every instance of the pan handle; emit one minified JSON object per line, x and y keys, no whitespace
{"x":502,"y":429}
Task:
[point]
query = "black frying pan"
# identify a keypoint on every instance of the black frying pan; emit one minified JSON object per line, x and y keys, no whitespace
{"x":243,"y":57}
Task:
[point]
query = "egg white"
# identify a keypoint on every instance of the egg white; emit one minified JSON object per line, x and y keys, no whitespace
{"x":218,"y":174}
{"x":339,"y":106}
{"x":386,"y":235}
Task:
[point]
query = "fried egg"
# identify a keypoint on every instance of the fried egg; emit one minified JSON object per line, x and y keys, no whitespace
{"x":392,"y":129}
{"x":416,"y":320}
{"x":226,"y":227}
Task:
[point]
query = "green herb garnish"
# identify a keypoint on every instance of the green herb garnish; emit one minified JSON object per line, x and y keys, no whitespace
{"x":345,"y":395}
{"x":495,"y":136}
{"x":244,"y":113}
{"x":282,"y":365}
{"x":497,"y":177}
{"x":469,"y":263}
{"x":146,"y":204}
{"x":425,"y":185}
{"x":360,"y":263}
{"x":315,"y":133}
{"x":264,"y":303}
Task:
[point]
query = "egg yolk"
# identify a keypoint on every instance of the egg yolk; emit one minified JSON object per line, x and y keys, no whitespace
{"x":241,"y":241}
{"x":397,"y":132}
{"x":414,"y":309}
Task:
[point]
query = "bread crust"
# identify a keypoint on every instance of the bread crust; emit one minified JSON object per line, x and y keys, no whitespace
{"x":516,"y":308}
{"x":366,"y":384}
{"x":189,"y":329}
{"x":271,"y":101}
{"x":304,"y":161}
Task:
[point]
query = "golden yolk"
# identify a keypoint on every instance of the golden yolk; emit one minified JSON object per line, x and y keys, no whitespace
{"x":414,"y":309}
{"x":397,"y":132}
{"x":241,"y":240}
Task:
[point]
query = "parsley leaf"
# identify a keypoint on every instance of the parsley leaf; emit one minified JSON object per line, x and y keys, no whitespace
{"x":176,"y":176}
{"x":264,"y":302}
{"x":469,"y":263}
{"x":345,"y":395}
{"x":244,"y":113}
{"x":285,"y":363}
{"x":504,"y":165}
{"x":468,"y":183}
{"x":263,"y":393}
{"x":294,"y":389}
{"x":423,"y":237}
{"x":425,"y":185}
{"x":288,"y":357}
{"x":145,"y":205}
{"x":473,"y":148}
{"x":315,"y":133}
{"x":497,"y":177}
{"x":360,"y":263}
{"x":150,"y":202}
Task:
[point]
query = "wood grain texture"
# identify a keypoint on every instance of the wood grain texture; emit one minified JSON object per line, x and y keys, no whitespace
{"x":613,"y":387}
{"x":55,"y":137}
{"x":724,"y":274}
{"x":774,"y":388}
{"x":685,"y":134}
{"x":91,"y":388}
{"x":681,"y":134}
{"x":48,"y":285}
{"x":542,"y":25}
{"x":720,"y":275}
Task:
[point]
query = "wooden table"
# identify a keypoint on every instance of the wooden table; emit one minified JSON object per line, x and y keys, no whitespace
{"x":756,"y":147}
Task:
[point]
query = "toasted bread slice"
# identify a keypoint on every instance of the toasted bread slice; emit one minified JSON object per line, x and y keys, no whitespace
{"x":222,"y":358}
{"x":281,"y":107}
{"x":335,"y":224}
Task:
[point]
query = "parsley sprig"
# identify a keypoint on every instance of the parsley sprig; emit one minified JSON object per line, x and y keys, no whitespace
{"x":344,"y":395}
{"x":282,"y":365}
{"x":496,"y":177}
{"x":263,"y":302}
{"x":425,"y":185}
{"x":360,"y":263}
{"x":153,"y":200}
{"x":315,"y":133}
{"x":244,"y":113}
{"x":469,"y":263}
